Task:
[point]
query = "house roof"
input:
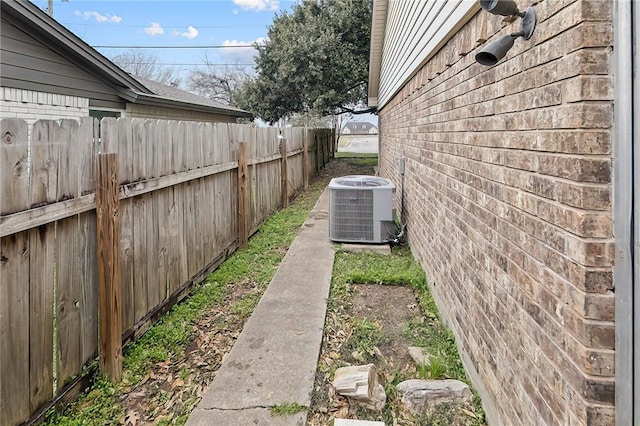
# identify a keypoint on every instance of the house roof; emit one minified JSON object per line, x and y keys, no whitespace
{"x":132,"y":89}
{"x":360,"y":126}
{"x":174,"y":94}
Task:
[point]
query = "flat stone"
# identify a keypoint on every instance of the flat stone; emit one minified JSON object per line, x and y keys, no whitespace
{"x":418,"y":355}
{"x":424,"y":396}
{"x":249,"y":416}
{"x":354,"y":422}
{"x":367,"y":248}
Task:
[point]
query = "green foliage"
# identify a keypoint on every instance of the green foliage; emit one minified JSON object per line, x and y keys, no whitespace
{"x":364,"y":339}
{"x":315,"y":60}
{"x":287,"y":409}
{"x":373,"y":268}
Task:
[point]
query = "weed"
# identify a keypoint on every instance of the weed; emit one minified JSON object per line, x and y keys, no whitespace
{"x":364,"y":339}
{"x":244,"y":307}
{"x":287,"y":409}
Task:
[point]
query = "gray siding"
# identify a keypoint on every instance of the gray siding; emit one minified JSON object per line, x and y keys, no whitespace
{"x":28,"y":64}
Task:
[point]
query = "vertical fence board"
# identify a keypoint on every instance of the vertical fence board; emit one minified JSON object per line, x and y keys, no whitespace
{"x":243,"y":196}
{"x":87,"y":228}
{"x":14,"y":191}
{"x":69,"y":258}
{"x":14,"y":271}
{"x":87,"y":240}
{"x":305,"y":159}
{"x":14,"y":328}
{"x":68,"y":294}
{"x":44,"y":164}
{"x":284,"y":169}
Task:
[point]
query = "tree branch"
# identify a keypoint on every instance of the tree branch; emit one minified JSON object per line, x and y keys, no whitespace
{"x":344,"y":110}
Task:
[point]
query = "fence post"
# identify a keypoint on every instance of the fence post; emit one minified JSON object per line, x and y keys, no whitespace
{"x":305,"y":159}
{"x":243,"y":196}
{"x":333,"y":143}
{"x":284,"y":173}
{"x":316,"y":137}
{"x":109,"y":291}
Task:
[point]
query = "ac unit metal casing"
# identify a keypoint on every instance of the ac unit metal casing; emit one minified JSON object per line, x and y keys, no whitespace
{"x":361,"y":209}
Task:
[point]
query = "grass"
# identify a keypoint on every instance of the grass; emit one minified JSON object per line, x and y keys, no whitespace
{"x":166,"y":340}
{"x":364,"y":339}
{"x":359,"y":159}
{"x":287,"y":409}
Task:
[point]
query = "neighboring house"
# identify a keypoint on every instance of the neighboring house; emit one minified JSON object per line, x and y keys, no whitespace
{"x":48,"y":72}
{"x":519,"y":196}
{"x":360,"y":128}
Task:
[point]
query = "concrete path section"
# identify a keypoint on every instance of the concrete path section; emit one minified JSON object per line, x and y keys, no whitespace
{"x":274,"y":360}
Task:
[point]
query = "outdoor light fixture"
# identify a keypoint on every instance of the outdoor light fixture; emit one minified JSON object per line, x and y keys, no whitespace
{"x":494,"y":51}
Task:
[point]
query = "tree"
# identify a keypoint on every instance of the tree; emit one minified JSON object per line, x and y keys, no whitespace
{"x":144,"y":64}
{"x":314,"y":61}
{"x":220,"y":83}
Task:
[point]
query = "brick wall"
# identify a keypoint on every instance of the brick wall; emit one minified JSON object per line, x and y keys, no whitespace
{"x":508,"y":206}
{"x":33,"y":106}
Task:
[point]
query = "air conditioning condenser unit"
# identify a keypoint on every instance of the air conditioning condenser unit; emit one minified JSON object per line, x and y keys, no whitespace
{"x":361,"y":209}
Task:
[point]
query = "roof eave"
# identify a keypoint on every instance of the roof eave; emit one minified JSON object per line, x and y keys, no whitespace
{"x":378,"y":25}
{"x":155,"y":100}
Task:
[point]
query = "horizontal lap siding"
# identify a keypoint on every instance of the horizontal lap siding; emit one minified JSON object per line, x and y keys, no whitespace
{"x":508,"y":205}
{"x":28,"y":64}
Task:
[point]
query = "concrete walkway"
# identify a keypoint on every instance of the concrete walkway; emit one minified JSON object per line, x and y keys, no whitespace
{"x":274,"y":360}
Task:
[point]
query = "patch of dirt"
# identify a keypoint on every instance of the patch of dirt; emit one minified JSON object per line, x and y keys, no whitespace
{"x":391,"y":307}
{"x":171,"y":390}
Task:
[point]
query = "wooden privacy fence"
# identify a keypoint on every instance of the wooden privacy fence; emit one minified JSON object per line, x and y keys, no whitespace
{"x":185,"y":195}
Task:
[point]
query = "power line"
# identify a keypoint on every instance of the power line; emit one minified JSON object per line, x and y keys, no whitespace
{"x":201,"y":63}
{"x":166,"y":26}
{"x":173,"y":47}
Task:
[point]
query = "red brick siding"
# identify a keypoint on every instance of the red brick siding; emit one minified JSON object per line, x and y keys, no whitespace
{"x":508,"y":206}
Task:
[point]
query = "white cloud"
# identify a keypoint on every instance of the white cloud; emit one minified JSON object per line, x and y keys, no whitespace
{"x":235,"y":52}
{"x":258,"y":5}
{"x":98,"y":16}
{"x":154,"y":29}
{"x":191,"y":33}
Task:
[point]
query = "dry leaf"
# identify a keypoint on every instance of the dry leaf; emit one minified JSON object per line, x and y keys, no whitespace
{"x":469,"y":413}
{"x":131,"y":418}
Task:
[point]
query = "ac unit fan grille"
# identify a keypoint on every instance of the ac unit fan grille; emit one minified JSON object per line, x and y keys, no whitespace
{"x":352,"y":215}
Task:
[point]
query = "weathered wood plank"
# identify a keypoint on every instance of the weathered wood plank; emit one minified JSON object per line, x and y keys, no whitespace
{"x":68,"y":300}
{"x":243,"y":196}
{"x":44,"y":163}
{"x":305,"y":159}
{"x":68,"y":284}
{"x":88,"y":136}
{"x":87,"y":240}
{"x":14,"y":329}
{"x":108,"y":141}
{"x":109,"y":295}
{"x":14,"y":191}
{"x":38,"y":216}
{"x":284,"y":173}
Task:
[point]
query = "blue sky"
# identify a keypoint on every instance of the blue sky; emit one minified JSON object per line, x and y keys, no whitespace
{"x":181,"y":24}
{"x":171,"y":23}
